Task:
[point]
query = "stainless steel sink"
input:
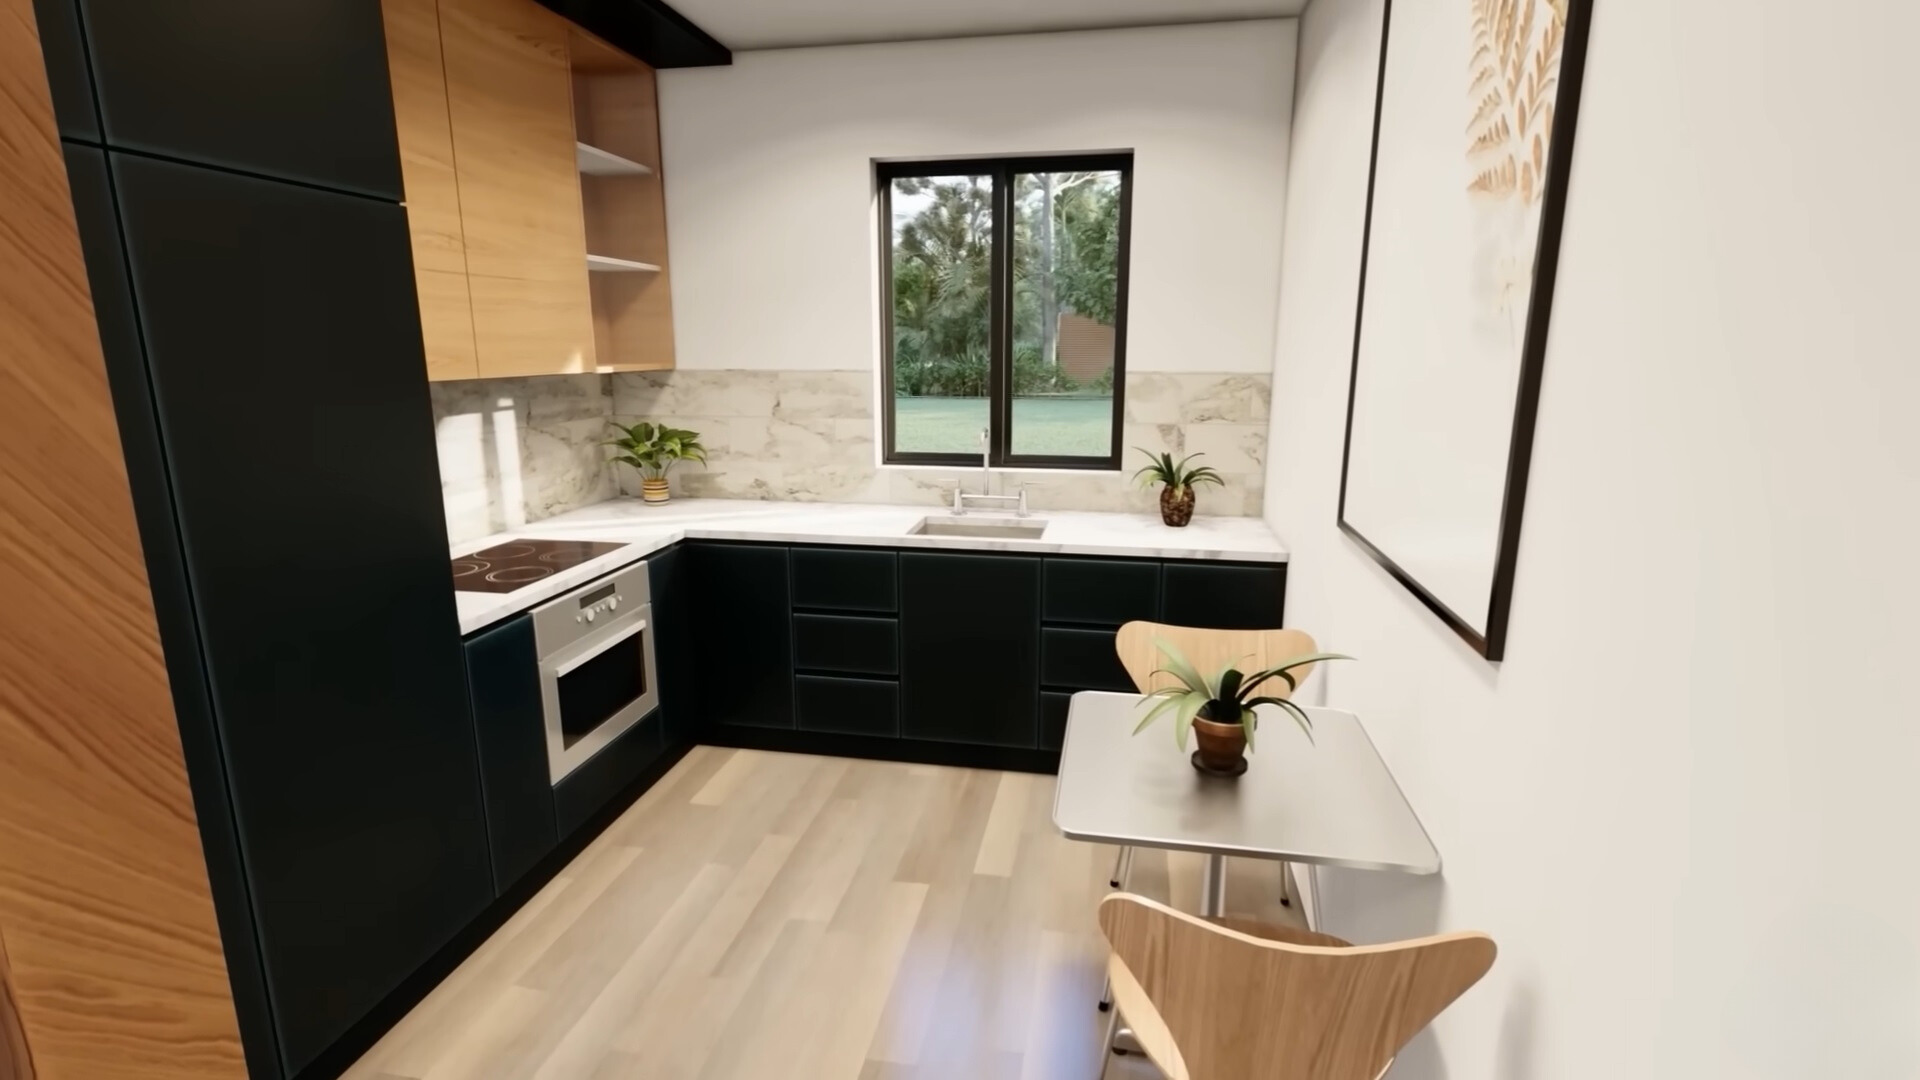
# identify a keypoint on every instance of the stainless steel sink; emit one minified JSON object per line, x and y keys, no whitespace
{"x":993,"y":528}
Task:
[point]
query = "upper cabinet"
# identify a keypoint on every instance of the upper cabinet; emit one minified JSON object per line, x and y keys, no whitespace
{"x":433,"y":191}
{"x":294,"y":89}
{"x":532,"y":160}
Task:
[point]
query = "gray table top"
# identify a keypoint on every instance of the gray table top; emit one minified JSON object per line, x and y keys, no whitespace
{"x":1330,"y":801}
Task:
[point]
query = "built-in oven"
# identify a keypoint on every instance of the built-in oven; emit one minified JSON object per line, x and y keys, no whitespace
{"x":596,"y":666}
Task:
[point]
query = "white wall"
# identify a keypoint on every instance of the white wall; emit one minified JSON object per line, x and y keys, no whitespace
{"x":1687,"y":804}
{"x":770,"y":181}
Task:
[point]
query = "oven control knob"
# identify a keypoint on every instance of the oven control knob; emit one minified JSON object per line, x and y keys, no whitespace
{"x":589,"y":614}
{"x":613,"y":604}
{"x":579,"y":618}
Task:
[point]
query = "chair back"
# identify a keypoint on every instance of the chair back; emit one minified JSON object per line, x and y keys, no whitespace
{"x":1223,"y":1005}
{"x":1209,"y":651}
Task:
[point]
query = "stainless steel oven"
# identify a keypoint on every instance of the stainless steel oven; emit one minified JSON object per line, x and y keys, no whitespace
{"x":596,"y":666}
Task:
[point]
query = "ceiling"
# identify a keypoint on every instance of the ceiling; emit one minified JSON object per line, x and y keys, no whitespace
{"x":776,"y":24}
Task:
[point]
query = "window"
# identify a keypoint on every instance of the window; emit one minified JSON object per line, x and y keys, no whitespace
{"x":1004,"y":309}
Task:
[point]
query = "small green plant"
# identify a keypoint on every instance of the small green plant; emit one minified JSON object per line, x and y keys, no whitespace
{"x":655,"y":448}
{"x":1175,"y":474}
{"x":1227,"y":698}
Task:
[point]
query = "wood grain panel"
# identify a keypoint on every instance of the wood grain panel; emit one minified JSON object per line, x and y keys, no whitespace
{"x":104,"y":901}
{"x":509,"y":96}
{"x":616,"y":108}
{"x":432,"y":188}
{"x":16,"y":1062}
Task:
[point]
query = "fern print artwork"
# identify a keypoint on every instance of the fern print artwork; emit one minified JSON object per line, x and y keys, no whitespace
{"x":1513,"y":76}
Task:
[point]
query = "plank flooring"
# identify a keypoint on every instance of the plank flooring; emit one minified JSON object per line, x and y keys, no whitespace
{"x":761,"y":915}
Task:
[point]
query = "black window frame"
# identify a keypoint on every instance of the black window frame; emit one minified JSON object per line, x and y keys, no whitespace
{"x":999,"y":396}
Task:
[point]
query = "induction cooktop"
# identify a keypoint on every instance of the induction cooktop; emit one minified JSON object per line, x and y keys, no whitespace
{"x":517,"y":564}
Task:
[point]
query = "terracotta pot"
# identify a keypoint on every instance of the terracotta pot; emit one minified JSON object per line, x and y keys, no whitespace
{"x":1223,"y":748}
{"x":653,"y":489}
{"x":1176,"y":510}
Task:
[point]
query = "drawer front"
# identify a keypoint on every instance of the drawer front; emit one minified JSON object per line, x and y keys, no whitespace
{"x":847,"y":706}
{"x":832,"y":579}
{"x":1224,"y":597}
{"x":1100,"y":592}
{"x":1053,"y":719}
{"x":1081,"y":660}
{"x":861,"y":646}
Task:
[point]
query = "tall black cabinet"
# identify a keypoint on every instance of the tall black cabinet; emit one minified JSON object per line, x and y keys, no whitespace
{"x":236,"y":178}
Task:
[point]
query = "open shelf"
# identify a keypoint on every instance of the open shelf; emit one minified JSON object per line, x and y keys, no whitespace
{"x":594,"y":161}
{"x":609,"y":264}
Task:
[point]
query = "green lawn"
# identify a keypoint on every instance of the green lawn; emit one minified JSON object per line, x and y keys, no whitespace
{"x":1072,"y":426}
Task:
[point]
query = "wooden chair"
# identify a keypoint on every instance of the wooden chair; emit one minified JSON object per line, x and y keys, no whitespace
{"x":1209,"y":651}
{"x":1231,"y":1000}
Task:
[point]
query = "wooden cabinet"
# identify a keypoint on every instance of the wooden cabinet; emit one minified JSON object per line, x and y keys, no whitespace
{"x":432,"y":188}
{"x":510,"y":107}
{"x":531,"y":154}
{"x":969,"y":631}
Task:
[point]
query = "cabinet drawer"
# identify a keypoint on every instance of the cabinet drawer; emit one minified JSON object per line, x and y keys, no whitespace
{"x":847,"y":706}
{"x":837,"y":580}
{"x":1224,"y":597}
{"x":1100,"y":592}
{"x":862,"y":646}
{"x":1053,"y":719}
{"x":1081,"y":660}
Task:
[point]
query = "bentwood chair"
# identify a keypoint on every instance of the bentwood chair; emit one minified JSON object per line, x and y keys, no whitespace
{"x":1209,"y":651}
{"x":1228,"y":999}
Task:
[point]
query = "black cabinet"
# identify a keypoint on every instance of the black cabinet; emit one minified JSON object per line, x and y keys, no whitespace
{"x":503,"y":677}
{"x":1053,"y":718}
{"x":296,"y":89}
{"x":845,"y":643}
{"x":1101,"y":592}
{"x":836,"y":579}
{"x":65,"y":52}
{"x":669,"y":581}
{"x":742,"y":634}
{"x":1224,"y":597}
{"x":969,"y":630}
{"x":1081,"y":660}
{"x":847,"y":706}
{"x":314,"y":544}
{"x":587,"y":790}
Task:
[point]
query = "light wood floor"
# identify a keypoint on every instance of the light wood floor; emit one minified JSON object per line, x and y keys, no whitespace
{"x":782,"y":916}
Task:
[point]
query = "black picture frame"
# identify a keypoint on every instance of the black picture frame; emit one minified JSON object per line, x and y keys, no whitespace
{"x":1000,"y":400}
{"x":1491,"y":642}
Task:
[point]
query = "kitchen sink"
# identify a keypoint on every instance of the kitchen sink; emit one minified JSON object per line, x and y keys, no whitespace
{"x":994,"y":528}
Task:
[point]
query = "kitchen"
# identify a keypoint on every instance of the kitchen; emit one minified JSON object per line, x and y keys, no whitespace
{"x":421,"y":250}
{"x":572,"y":538}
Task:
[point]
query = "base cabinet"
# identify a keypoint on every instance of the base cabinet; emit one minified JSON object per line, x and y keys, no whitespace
{"x":970,"y":632}
{"x":503,"y":678}
{"x":742,"y":635}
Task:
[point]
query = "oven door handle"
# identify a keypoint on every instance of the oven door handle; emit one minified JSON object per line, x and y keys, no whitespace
{"x":571,"y":663}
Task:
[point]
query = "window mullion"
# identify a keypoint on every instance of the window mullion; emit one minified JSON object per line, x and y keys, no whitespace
{"x":1000,"y":353}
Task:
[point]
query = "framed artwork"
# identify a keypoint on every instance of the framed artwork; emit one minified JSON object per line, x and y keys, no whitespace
{"x":1472,"y":144}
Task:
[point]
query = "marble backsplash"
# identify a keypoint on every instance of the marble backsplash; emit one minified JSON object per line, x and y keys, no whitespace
{"x":809,"y":436}
{"x":518,"y":450}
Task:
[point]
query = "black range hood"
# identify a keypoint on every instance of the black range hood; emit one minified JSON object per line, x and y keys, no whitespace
{"x":647,"y":29}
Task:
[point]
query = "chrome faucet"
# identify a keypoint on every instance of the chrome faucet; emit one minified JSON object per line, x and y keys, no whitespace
{"x":961,"y":499}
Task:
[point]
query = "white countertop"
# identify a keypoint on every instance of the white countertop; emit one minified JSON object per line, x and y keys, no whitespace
{"x":645,"y":529}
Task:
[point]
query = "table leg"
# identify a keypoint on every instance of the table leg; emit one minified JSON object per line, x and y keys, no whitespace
{"x":1213,"y":887}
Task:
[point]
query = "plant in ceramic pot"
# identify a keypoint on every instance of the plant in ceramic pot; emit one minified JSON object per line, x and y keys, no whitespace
{"x":1176,"y":498}
{"x":1221,"y":710}
{"x":653,"y":450}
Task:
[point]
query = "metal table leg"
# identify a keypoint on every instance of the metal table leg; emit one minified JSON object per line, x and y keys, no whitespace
{"x":1213,"y":887}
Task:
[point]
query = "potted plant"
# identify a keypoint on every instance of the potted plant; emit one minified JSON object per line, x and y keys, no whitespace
{"x":1220,"y":710}
{"x":1176,"y":498}
{"x":653,"y":450}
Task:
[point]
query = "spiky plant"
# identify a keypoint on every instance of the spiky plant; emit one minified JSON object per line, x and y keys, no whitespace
{"x":655,"y":448}
{"x":1227,"y":698}
{"x":1175,"y":474}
